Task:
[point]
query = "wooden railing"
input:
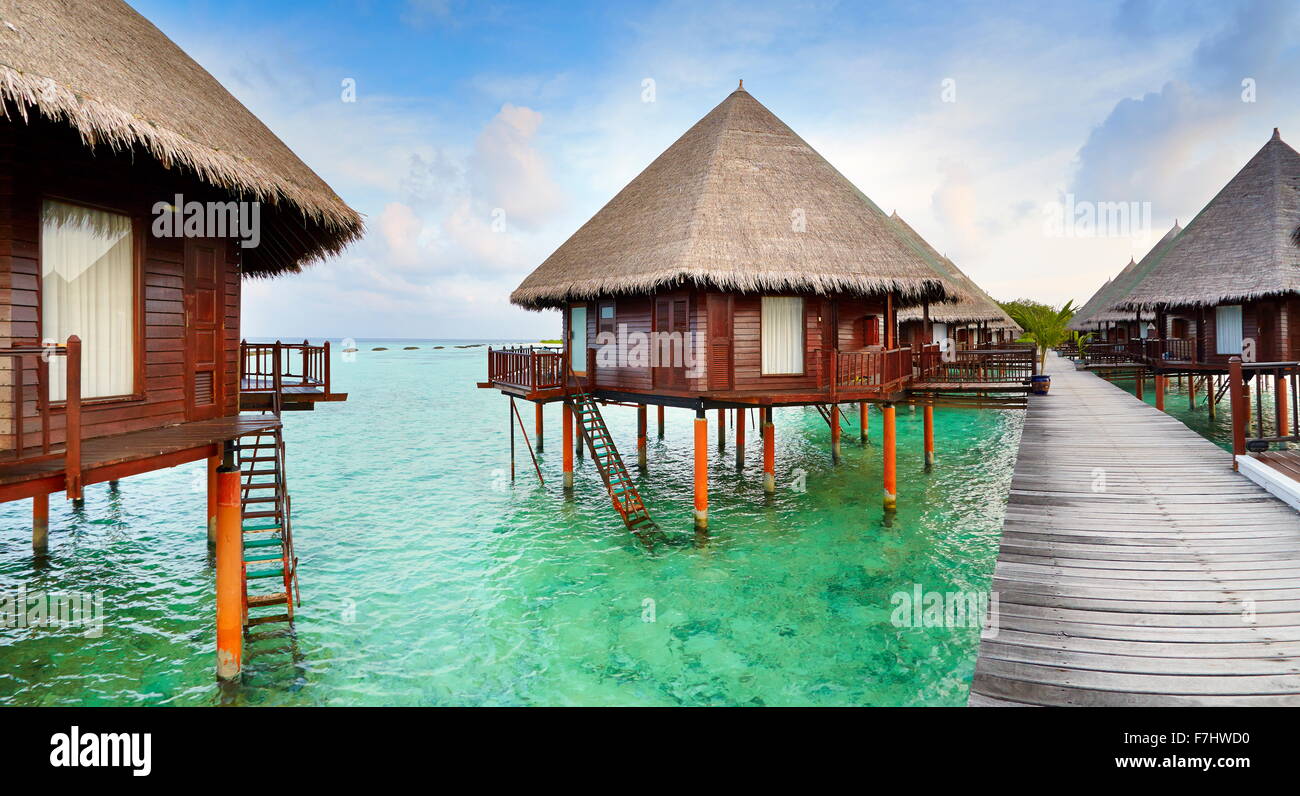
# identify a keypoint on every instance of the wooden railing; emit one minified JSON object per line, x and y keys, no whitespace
{"x":269,"y":367}
{"x":30,"y":356}
{"x":1285,"y":424}
{"x":986,"y":366}
{"x":526,"y":367}
{"x":1155,"y":350}
{"x":878,"y":371}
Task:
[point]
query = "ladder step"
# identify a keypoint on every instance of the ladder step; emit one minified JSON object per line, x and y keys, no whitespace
{"x":254,"y":574}
{"x":262,"y":620}
{"x":257,"y":558}
{"x":258,"y":472}
{"x":261,"y":529}
{"x":253,"y":515}
{"x":266,"y":485}
{"x":267,"y":499}
{"x":254,"y":459}
{"x":260,"y":600}
{"x":266,"y":541}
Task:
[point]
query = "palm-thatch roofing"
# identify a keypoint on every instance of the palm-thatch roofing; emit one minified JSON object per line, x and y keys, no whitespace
{"x":738,"y":203}
{"x":106,"y":71}
{"x":973,"y":305}
{"x":1098,"y":309}
{"x":1238,"y":247}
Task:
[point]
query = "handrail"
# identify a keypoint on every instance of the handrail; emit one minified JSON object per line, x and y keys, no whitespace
{"x":527,"y":367}
{"x":44,"y":411}
{"x":983,"y":366}
{"x":300,"y":364}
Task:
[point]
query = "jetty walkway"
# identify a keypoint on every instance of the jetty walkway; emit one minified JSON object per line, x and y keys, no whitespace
{"x":1136,"y":568}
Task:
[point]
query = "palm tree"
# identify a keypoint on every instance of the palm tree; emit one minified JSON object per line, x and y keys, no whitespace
{"x":1045,"y":326}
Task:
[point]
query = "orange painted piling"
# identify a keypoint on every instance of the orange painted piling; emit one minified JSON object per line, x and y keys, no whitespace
{"x":539,"y":426}
{"x":864,"y":420}
{"x":929,"y":438}
{"x":1283,"y":410}
{"x":701,"y":472}
{"x":1160,"y":392}
{"x":213,"y":463}
{"x":661,"y":421}
{"x":769,"y":452}
{"x":740,"y":439}
{"x":835,"y":433}
{"x":1191,"y":391}
{"x":722,"y":429}
{"x":1239,"y":402}
{"x":891,"y":475}
{"x":1139,"y":385}
{"x":640,"y":435}
{"x":568,"y":445}
{"x":40,"y":523}
{"x":230,"y":575}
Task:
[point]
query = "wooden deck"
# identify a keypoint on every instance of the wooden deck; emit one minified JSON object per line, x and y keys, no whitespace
{"x":1286,"y":462}
{"x":1176,"y":582}
{"x":122,"y":455}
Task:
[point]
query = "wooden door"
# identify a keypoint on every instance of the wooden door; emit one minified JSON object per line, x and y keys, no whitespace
{"x":672,"y":315}
{"x":204,"y":261}
{"x":1293,"y":329}
{"x":1265,"y":331}
{"x":720,"y":342}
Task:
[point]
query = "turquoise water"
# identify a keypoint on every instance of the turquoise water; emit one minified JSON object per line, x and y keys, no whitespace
{"x":429,"y":579}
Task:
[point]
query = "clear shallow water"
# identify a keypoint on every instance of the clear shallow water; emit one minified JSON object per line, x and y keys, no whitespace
{"x":428,"y":579}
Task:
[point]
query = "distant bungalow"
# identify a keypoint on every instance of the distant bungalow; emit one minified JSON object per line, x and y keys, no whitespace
{"x":120,"y":346}
{"x":1115,"y":326}
{"x":738,"y":270}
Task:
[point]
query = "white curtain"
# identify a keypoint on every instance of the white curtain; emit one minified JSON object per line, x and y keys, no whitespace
{"x":578,"y":339}
{"x":939,"y":332}
{"x":1227,"y":329}
{"x":782,"y":324}
{"x":87,"y":289}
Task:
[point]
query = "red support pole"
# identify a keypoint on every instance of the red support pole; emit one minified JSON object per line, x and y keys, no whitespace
{"x":864,"y":421}
{"x":701,"y":472}
{"x":835,"y":432}
{"x":661,"y":421}
{"x":1239,"y":402}
{"x":722,"y":429}
{"x":929,"y":437}
{"x":539,"y":424}
{"x":230,"y":575}
{"x":72,"y":416}
{"x":41,"y":523}
{"x":214,"y":462}
{"x":1283,"y":408}
{"x":640,"y":435}
{"x":891,"y":475}
{"x":568,"y":445}
{"x":740,"y":439}
{"x":1160,"y":392}
{"x":769,"y":452}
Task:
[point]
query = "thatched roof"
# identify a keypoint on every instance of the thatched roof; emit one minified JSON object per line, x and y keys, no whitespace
{"x":103,"y":69}
{"x":1097,"y":309}
{"x":972,"y":306}
{"x":722,"y":208}
{"x":1236,"y":249}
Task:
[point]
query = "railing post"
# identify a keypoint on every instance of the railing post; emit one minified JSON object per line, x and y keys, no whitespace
{"x":327,"y":367}
{"x":1237,"y":395}
{"x":72,"y":458}
{"x":275,"y":380}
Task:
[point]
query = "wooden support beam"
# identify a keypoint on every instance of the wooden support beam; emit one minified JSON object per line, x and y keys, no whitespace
{"x":1240,"y":403}
{"x":864,"y":421}
{"x":740,"y":438}
{"x":577,"y":445}
{"x":230,"y":575}
{"x":41,"y":524}
{"x":769,"y":452}
{"x":891,"y":476}
{"x":568,"y":445}
{"x":701,"y":472}
{"x":929,"y":437}
{"x":640,"y":436}
{"x":1139,"y":383}
{"x":1160,"y":392}
{"x":835,"y":433}
{"x":722,"y":429}
{"x":214,"y":462}
{"x":540,"y":423}
{"x":661,"y":421}
{"x":1191,"y":391}
{"x":1283,"y":409}
{"x":1212,"y":396}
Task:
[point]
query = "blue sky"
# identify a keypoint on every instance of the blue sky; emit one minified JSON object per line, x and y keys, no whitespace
{"x":535,"y":114}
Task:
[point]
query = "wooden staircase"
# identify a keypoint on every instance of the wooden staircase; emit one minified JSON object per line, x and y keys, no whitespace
{"x":622,"y":492}
{"x":270,"y":566}
{"x":825,"y":411}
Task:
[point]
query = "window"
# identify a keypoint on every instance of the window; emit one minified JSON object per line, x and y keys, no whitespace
{"x":1227,"y":329}
{"x":605,"y":321}
{"x":782,"y":340}
{"x":88,"y":289}
{"x":578,"y":339}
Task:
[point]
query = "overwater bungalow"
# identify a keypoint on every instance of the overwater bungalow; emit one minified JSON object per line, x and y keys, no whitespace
{"x":1111,"y":328}
{"x":135,"y":195}
{"x":974,"y":321}
{"x":739,"y":270}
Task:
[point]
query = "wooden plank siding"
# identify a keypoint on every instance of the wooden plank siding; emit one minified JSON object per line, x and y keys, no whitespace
{"x":1135,"y":567}
{"x":46,"y":161}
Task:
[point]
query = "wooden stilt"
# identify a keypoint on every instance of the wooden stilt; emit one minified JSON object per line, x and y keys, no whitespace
{"x":740,"y":439}
{"x":929,"y":438}
{"x":213,"y":463}
{"x":1211,"y":396}
{"x":864,"y":421}
{"x":230,"y":575}
{"x":1191,"y":391}
{"x":1160,"y":391}
{"x":661,"y":421}
{"x":539,"y":425}
{"x":577,"y":445}
{"x":568,"y":445}
{"x":41,"y":524}
{"x":701,"y":472}
{"x":640,"y":436}
{"x":769,"y":452}
{"x":1140,"y":385}
{"x":510,"y":421}
{"x":722,"y":429}
{"x":1283,"y":409}
{"x":835,"y":433}
{"x":1239,"y":401}
{"x":891,"y":476}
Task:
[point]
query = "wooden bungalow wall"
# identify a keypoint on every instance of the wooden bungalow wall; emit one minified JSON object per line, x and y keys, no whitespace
{"x":45,"y":160}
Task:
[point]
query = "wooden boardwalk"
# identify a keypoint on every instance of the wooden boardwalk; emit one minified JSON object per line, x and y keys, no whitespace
{"x":1136,"y":568}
